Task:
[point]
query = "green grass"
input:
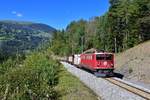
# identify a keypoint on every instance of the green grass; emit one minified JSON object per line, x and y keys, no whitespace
{"x":6,"y":37}
{"x":2,"y":38}
{"x":38,"y":77}
{"x":71,"y":88}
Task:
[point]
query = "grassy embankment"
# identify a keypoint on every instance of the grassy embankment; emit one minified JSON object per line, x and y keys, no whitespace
{"x":39,"y":77}
{"x":71,"y":88}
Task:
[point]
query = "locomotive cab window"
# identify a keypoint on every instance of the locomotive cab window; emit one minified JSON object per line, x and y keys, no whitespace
{"x":104,"y":57}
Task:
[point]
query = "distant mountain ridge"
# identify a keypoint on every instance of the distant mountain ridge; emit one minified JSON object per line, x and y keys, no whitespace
{"x":21,"y":36}
{"x":28,"y":25}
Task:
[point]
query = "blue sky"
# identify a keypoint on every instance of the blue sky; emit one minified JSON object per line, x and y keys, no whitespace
{"x":56,"y":13}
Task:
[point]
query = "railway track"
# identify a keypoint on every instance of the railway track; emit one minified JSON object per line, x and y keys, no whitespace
{"x":140,"y":91}
{"x":129,"y":87}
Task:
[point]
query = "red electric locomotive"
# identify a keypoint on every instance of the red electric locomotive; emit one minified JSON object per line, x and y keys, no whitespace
{"x":100,"y":62}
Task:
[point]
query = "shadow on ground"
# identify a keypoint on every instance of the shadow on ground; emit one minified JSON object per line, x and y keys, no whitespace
{"x":118,"y":75}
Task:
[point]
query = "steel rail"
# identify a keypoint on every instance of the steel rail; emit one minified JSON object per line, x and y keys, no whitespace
{"x":138,"y":91}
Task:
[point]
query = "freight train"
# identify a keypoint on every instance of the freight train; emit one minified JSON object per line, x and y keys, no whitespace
{"x":101,"y":63}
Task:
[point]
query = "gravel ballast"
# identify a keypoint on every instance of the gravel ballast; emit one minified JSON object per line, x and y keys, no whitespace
{"x":103,"y":88}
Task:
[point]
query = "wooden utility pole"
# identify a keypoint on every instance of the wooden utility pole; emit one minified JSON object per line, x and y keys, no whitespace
{"x":82,"y":43}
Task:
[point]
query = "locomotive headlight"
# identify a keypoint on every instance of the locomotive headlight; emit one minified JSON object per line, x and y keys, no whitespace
{"x":105,"y":63}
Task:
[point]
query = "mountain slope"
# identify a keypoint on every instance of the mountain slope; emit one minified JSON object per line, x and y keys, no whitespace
{"x":134,"y":63}
{"x":8,"y":24}
{"x":22,"y":37}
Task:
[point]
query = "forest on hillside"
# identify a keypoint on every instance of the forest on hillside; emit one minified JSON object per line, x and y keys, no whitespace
{"x":126,"y":24}
{"x":18,"y":37}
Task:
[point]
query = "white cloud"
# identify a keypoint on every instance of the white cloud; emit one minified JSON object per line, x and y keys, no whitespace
{"x":17,"y":14}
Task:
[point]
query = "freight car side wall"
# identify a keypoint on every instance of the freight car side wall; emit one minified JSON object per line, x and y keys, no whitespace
{"x":70,"y":59}
{"x":77,"y":59}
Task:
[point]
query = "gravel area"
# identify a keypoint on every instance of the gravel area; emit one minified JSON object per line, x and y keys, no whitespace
{"x":147,"y":86}
{"x":104,"y":89}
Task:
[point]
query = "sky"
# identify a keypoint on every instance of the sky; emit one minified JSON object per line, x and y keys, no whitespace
{"x":56,"y":13}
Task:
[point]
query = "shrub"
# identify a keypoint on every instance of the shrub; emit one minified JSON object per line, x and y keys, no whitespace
{"x":11,"y":63}
{"x":5,"y":66}
{"x":130,"y":70}
{"x":35,"y":79}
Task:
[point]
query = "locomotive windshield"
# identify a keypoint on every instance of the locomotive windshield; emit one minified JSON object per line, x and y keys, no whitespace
{"x":104,"y":57}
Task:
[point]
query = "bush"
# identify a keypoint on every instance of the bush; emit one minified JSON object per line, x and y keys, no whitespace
{"x":5,"y":66}
{"x":35,"y":79}
{"x":11,"y":63}
{"x":130,"y":70}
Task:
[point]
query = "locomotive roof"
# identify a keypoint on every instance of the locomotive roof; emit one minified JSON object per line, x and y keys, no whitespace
{"x":93,"y":50}
{"x":99,"y":53}
{"x":103,"y":53}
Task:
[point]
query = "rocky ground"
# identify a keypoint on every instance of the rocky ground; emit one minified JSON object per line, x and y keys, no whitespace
{"x":134,"y":63}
